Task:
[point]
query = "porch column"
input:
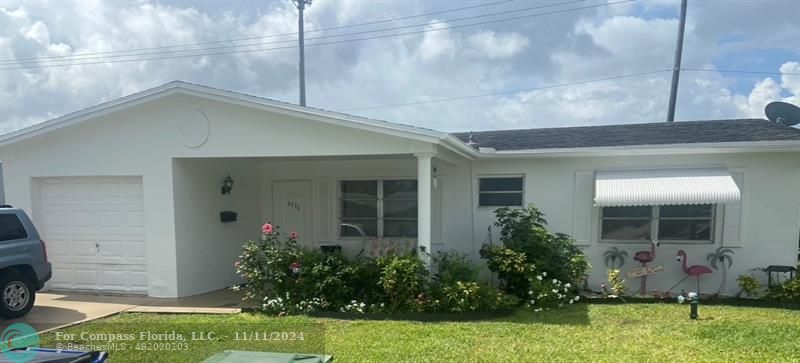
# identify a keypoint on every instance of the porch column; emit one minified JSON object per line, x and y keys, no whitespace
{"x":424,"y":184}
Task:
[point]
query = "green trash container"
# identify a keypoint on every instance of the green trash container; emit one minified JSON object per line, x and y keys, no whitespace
{"x":238,"y":356}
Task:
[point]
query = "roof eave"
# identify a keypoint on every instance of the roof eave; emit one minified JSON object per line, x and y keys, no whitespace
{"x":694,"y":148}
{"x":122,"y":103}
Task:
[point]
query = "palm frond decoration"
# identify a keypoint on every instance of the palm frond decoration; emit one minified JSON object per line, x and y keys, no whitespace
{"x":721,"y":258}
{"x":721,"y":255}
{"x":614,"y":258}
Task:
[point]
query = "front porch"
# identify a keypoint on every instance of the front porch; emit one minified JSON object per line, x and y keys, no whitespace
{"x":363,"y":205}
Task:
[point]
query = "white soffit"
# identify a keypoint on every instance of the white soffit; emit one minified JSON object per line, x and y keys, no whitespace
{"x":664,"y":187}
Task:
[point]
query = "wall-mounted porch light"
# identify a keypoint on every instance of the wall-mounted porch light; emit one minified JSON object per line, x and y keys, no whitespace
{"x":227,"y":185}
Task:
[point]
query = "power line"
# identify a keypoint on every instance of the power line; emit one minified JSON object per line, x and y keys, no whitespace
{"x":264,"y":36}
{"x":58,"y":61}
{"x":739,"y":71}
{"x":330,"y":42}
{"x":450,"y":99}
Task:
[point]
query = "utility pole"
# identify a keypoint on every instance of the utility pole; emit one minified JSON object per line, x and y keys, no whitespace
{"x":676,"y":69}
{"x":301,"y":5}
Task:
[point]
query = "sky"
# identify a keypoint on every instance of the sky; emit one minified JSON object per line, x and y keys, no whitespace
{"x":444,"y":64}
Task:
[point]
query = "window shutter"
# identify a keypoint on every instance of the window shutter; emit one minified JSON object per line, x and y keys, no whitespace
{"x":323,"y":216}
{"x":582,"y":208}
{"x":732,"y":230}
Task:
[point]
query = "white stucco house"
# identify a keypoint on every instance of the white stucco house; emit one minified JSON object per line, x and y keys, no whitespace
{"x":127,"y":194}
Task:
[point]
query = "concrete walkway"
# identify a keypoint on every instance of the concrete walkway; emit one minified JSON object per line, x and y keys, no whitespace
{"x":54,"y":310}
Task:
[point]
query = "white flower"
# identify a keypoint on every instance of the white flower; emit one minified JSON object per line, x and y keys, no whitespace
{"x":571,"y":301}
{"x":530,"y":292}
{"x":539,"y":277}
{"x":555,"y":281}
{"x":544,"y":273}
{"x":577,"y":297}
{"x":555,"y":291}
{"x":568,"y":285}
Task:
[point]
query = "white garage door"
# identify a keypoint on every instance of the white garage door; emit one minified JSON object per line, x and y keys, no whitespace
{"x":94,"y":229}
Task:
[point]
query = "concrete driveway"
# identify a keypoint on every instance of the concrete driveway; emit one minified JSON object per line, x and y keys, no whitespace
{"x":59,"y":309}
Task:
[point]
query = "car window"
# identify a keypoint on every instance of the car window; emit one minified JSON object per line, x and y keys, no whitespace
{"x":11,"y":228}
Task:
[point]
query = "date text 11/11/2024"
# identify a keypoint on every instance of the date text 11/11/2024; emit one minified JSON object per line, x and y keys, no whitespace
{"x":252,"y":336}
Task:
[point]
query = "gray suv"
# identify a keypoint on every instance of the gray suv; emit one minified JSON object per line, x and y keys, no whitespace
{"x":23,"y":263}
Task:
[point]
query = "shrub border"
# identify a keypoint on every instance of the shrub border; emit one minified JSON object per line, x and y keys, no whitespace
{"x":421,"y":317}
{"x":728,"y":301}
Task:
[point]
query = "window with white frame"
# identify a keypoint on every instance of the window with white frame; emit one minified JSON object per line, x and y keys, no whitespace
{"x":500,"y":191}
{"x":378,"y":208}
{"x":682,"y":223}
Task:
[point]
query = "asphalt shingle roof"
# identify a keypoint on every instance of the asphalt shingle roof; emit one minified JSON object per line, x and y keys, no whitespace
{"x":661,"y":133}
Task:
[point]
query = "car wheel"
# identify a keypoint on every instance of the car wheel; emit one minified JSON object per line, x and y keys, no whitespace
{"x":17,"y":295}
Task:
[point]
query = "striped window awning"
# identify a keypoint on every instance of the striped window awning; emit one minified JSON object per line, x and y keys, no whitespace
{"x":664,"y":187}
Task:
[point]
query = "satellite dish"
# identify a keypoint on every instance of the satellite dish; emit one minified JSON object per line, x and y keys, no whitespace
{"x":783,"y":113}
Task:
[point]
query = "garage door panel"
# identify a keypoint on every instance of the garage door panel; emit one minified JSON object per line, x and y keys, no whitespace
{"x":95,"y":230}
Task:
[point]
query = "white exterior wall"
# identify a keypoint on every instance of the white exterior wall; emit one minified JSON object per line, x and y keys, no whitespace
{"x":144,"y":139}
{"x":325,"y":176}
{"x":770,"y":221}
{"x":189,"y":251}
{"x":206,"y":247}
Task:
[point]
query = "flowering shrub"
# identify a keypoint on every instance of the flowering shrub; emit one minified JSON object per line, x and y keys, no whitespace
{"x":524,"y":230}
{"x":548,"y":293}
{"x":511,"y":266}
{"x":282,"y":306}
{"x":749,"y":285}
{"x":617,"y":284}
{"x":265,"y":262}
{"x":454,"y":266}
{"x":402,"y":279}
{"x":533,"y":263}
{"x":788,"y":291}
{"x":354,"y":307}
{"x":285,"y":278}
{"x":463,"y":297}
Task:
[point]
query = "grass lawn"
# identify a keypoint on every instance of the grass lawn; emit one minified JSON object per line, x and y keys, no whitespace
{"x":582,"y":332}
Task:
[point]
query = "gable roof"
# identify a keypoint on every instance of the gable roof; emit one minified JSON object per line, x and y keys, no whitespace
{"x":661,"y":133}
{"x":741,"y":135}
{"x":180,"y":87}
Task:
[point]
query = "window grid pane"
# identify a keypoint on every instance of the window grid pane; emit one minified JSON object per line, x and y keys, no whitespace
{"x":626,"y":229}
{"x":496,"y":199}
{"x":507,"y":184}
{"x":381,"y":208}
{"x":668,"y":223}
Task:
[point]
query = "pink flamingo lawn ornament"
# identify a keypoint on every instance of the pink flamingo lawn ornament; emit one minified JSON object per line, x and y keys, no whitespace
{"x":645,"y":257}
{"x":694,"y":270}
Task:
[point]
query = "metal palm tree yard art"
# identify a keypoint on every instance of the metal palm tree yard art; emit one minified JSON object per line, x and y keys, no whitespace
{"x":614,"y":255}
{"x":721,"y":259}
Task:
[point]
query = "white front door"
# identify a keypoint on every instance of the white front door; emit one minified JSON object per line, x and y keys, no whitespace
{"x":291,"y":209}
{"x":95,"y":233}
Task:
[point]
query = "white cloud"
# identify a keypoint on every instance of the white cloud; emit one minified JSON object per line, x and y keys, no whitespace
{"x":436,"y":44}
{"x":445,"y":63}
{"x":768,"y":90}
{"x":495,"y":46}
